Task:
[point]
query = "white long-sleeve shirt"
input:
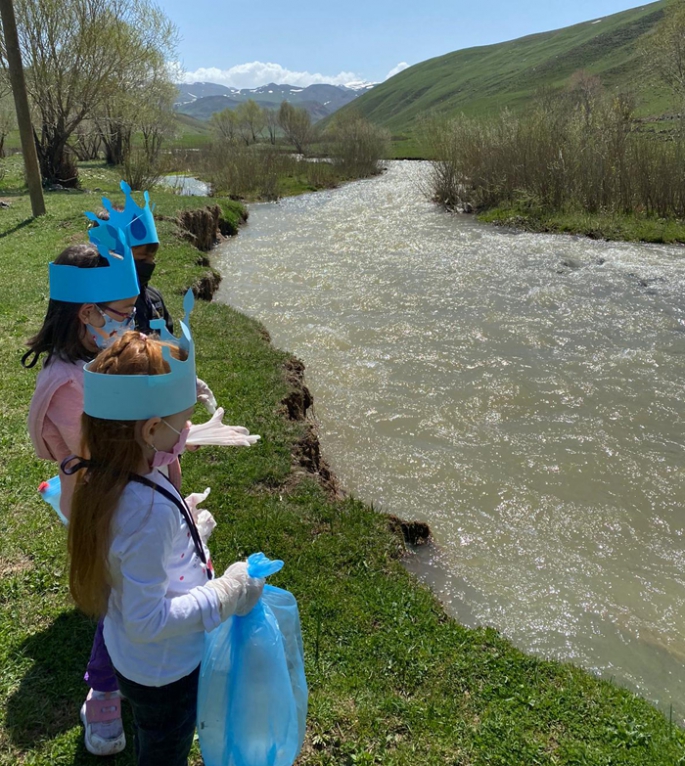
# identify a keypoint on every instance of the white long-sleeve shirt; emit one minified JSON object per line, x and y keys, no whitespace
{"x":159,"y":606}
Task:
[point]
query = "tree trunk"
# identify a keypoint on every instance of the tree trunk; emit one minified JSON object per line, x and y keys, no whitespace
{"x":57,"y":164}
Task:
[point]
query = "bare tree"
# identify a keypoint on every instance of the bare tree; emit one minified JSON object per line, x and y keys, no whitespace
{"x":251,"y":117}
{"x":271,"y":122}
{"x":224,"y":124}
{"x":86,"y":141}
{"x":357,"y":145}
{"x":77,"y":53}
{"x":586,"y":90}
{"x":296,"y":123}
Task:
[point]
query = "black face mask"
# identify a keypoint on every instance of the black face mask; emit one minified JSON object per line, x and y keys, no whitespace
{"x":144,"y":271}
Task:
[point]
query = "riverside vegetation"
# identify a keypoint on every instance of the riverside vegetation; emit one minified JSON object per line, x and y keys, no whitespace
{"x":239,"y":165}
{"x":393,"y":680}
{"x":576,"y":163}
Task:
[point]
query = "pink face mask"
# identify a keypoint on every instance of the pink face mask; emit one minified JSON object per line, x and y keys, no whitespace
{"x":165,"y":458}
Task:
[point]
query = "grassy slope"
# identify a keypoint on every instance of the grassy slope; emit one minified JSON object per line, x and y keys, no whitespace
{"x":393,"y":681}
{"x":481,"y":81}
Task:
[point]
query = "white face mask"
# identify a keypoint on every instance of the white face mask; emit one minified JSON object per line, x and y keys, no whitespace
{"x":112,"y":329}
{"x":162,"y":458}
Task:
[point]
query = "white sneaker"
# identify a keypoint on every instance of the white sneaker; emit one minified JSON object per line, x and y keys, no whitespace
{"x":101,"y":716}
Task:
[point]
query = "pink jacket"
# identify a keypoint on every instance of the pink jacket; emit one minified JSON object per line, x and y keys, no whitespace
{"x":55,"y":418}
{"x":55,"y":421}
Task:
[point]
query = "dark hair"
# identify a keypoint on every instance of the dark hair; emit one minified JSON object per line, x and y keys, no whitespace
{"x":60,"y":334}
{"x":103,"y":214}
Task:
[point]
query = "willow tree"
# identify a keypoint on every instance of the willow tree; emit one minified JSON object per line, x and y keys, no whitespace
{"x":142,"y":96}
{"x":78,"y":54}
{"x":296,"y":123}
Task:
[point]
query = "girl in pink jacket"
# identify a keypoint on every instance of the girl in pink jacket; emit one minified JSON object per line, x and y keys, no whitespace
{"x":72,"y":334}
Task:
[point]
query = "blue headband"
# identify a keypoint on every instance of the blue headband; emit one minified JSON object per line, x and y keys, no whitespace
{"x":116,"y":282}
{"x":137,"y":223}
{"x":140,"y":397}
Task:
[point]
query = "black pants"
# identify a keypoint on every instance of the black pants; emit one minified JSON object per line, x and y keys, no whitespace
{"x":164,"y":719}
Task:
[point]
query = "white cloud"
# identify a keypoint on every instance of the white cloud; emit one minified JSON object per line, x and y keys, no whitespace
{"x":258,"y":73}
{"x":396,"y":70}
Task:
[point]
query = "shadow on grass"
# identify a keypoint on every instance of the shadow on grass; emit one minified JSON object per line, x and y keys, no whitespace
{"x":16,"y":227}
{"x":49,"y":698}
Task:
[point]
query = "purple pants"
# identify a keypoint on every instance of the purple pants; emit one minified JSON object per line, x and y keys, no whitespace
{"x":100,"y":671}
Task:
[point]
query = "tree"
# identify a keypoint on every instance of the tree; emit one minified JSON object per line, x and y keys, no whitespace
{"x":8,"y":121}
{"x":250,"y":118}
{"x":224,"y":124}
{"x":586,"y":90}
{"x":77,"y":53}
{"x":271,"y":122}
{"x":11,"y":52}
{"x":142,"y":95}
{"x":296,"y":123}
{"x":357,"y":145}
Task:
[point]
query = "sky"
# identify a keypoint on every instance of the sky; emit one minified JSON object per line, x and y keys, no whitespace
{"x":247,"y":44}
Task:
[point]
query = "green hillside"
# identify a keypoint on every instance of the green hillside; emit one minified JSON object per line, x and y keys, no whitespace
{"x":481,"y":81}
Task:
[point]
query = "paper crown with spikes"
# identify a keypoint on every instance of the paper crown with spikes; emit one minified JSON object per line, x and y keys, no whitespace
{"x":137,"y":223}
{"x":139,"y":397}
{"x":116,"y":282}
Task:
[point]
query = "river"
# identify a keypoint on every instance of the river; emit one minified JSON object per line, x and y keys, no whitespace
{"x":522,"y":393}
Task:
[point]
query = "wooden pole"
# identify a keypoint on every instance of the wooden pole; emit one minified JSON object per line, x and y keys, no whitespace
{"x":21,"y":103}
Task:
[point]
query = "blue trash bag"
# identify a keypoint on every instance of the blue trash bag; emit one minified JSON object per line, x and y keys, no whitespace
{"x":51,"y":492}
{"x":252,"y":696}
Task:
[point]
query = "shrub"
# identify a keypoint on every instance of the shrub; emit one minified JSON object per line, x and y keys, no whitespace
{"x":358,"y":146}
{"x":566,"y":154}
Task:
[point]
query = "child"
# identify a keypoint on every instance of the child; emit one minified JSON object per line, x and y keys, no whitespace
{"x":88,"y":308}
{"x":137,"y":224}
{"x":92,"y":299}
{"x":135,"y":550}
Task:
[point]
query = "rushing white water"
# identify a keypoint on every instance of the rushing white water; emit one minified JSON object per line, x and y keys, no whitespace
{"x":521,"y":393}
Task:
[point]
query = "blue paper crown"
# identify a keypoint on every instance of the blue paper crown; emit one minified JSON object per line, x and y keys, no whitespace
{"x":117,"y":282}
{"x":139,"y":397}
{"x":137,"y":223}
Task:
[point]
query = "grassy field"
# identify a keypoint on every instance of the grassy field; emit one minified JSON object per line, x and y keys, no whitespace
{"x":393,"y":680}
{"x":482,"y":81}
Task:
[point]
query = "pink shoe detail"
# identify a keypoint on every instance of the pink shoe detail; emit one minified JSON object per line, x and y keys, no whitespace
{"x":101,"y":717}
{"x":102,"y":710}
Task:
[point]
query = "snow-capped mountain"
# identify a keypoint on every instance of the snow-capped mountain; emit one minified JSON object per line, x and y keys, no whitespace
{"x":202,"y":99}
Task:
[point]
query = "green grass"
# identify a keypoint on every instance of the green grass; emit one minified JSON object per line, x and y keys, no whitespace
{"x":393,"y":680}
{"x":482,"y":81}
{"x":629,"y":228}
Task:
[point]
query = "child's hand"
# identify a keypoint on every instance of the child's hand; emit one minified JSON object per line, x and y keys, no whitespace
{"x":205,"y":396}
{"x":192,"y":501}
{"x":203,"y":519}
{"x":236,"y":590}
{"x":206,"y":523}
{"x":215,"y":432}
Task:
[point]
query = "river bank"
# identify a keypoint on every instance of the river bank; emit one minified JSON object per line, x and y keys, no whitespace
{"x":393,"y":680}
{"x":606,"y":226}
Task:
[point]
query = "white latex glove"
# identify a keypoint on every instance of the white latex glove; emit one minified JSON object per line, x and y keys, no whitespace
{"x":204,"y":520}
{"x":214,"y":432}
{"x":237,"y":591}
{"x":205,"y":396}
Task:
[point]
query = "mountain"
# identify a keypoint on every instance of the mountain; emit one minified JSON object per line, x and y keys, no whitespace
{"x":202,"y":99}
{"x":187,"y":94}
{"x":480,"y":81}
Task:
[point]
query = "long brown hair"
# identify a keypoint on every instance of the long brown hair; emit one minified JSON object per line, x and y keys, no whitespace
{"x":113,"y":454}
{"x":60,"y":334}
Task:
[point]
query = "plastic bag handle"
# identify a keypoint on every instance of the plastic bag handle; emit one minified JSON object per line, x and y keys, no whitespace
{"x":258,"y":565}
